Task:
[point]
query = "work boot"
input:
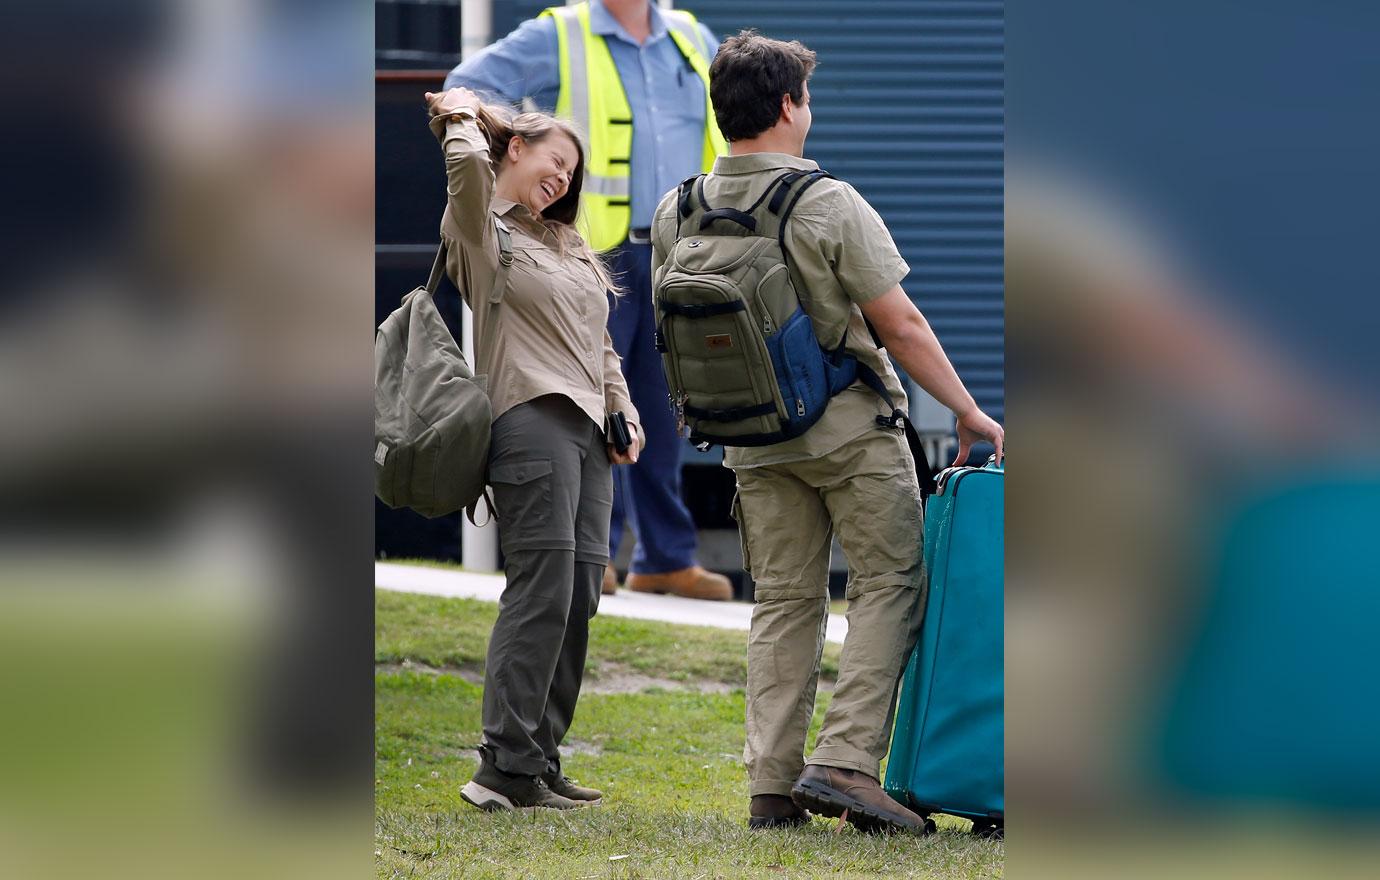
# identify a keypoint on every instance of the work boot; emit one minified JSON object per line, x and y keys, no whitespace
{"x":610,"y":581}
{"x":692,"y":583}
{"x":566,"y":787}
{"x":831,"y":790}
{"x":775,"y":811}
{"x":491,"y":789}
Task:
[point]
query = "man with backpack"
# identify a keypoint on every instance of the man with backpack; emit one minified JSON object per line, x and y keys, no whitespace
{"x":766,"y":275}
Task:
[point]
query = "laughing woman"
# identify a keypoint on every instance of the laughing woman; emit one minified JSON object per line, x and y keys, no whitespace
{"x":553,"y":379}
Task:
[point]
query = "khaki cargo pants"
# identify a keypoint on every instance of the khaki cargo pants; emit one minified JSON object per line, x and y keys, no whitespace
{"x":867,"y":492}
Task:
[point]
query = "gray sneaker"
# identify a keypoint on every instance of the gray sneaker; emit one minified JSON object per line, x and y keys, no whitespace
{"x":491,"y":789}
{"x":568,"y":788}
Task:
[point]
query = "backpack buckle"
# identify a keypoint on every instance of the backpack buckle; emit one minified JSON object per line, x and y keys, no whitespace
{"x":891,"y":421}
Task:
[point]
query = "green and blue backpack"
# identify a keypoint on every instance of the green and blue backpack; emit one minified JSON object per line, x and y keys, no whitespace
{"x":742,"y":360}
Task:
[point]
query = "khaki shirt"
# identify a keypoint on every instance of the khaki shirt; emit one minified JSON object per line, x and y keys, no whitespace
{"x":548,"y":335}
{"x":842,"y":252}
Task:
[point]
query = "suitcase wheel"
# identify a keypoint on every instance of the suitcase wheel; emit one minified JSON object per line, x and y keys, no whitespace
{"x":992,"y":830}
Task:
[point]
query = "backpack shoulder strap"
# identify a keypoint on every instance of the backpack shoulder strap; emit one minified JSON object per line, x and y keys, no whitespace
{"x":795,"y":189}
{"x":774,"y":211}
{"x":685,"y":201}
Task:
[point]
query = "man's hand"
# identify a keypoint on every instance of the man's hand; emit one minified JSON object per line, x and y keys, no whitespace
{"x":451,"y":101}
{"x":909,"y":338}
{"x":973,"y":426}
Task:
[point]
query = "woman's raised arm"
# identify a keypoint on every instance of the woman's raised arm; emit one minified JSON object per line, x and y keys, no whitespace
{"x":469,"y":174}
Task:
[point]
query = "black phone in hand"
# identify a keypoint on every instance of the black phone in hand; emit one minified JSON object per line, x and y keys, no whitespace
{"x":618,"y":432}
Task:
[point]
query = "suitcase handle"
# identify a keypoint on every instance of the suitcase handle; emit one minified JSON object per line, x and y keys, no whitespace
{"x":941,"y":479}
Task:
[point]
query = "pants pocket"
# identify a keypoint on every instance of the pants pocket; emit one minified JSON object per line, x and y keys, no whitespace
{"x":737,"y":514}
{"x":522,"y":492}
{"x":882,"y":533}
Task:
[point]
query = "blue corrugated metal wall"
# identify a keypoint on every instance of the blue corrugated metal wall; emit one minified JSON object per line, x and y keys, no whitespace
{"x":908,"y":107}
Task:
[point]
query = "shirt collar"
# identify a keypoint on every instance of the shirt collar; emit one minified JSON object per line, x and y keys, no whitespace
{"x":502,"y":206}
{"x":602,"y":22}
{"x":519,"y":215}
{"x":750,"y":163}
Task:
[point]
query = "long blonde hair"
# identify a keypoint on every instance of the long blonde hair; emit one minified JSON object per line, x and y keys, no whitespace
{"x":500,"y":125}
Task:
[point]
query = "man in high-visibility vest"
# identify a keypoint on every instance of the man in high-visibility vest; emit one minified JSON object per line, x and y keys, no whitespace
{"x":635,"y":79}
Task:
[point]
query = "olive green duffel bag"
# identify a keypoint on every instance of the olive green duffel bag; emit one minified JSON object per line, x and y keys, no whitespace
{"x":432,"y":415}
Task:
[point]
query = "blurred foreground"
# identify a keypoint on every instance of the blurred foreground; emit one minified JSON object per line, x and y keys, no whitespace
{"x":1192,"y":579}
{"x":184,"y":368}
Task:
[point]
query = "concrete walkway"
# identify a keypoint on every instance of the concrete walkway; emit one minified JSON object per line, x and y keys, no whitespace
{"x":643,"y":606}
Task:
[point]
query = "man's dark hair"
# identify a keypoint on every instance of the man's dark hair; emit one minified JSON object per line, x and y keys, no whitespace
{"x":748,"y":77}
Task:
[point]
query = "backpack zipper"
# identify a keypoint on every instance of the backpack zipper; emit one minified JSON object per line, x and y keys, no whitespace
{"x":678,"y":406}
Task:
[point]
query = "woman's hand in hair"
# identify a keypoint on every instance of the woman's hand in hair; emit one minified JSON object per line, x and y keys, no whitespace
{"x":451,"y":101}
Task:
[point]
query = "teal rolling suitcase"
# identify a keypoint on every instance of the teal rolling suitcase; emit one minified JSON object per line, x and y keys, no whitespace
{"x":947,"y":748}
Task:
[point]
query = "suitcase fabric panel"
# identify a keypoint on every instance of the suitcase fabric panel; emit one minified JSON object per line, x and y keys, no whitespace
{"x":947,"y":750}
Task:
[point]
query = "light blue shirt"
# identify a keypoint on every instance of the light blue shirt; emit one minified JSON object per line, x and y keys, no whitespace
{"x":665,"y":94}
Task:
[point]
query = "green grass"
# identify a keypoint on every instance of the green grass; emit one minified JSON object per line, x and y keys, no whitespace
{"x":454,"y":633}
{"x":668,"y":758}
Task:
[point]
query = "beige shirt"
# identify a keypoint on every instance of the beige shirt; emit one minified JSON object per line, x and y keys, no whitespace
{"x":842,"y":252}
{"x":548,"y":335}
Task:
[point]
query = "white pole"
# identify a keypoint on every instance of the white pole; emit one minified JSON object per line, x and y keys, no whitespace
{"x":478,"y":546}
{"x":476,"y":26}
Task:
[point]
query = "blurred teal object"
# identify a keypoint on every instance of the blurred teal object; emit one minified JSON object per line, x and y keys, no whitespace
{"x":947,"y":749}
{"x":1277,"y":700}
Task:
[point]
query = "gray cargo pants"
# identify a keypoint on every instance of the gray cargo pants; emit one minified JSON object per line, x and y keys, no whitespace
{"x":554,"y":492}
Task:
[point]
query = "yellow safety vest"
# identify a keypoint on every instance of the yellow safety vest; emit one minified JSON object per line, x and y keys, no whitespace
{"x":592,"y":97}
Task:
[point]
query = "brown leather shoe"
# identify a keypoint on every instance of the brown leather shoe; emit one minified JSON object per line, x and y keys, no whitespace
{"x":831,"y":790}
{"x":692,"y":583}
{"x":610,"y":581}
{"x":775,"y":811}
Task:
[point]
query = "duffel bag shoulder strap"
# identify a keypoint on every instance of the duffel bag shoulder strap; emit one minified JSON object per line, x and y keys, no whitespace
{"x":438,"y":268}
{"x":505,"y":263}
{"x":485,"y":335}
{"x":488,"y":499}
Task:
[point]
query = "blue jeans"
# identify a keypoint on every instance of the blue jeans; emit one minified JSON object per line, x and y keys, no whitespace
{"x":647,"y":492}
